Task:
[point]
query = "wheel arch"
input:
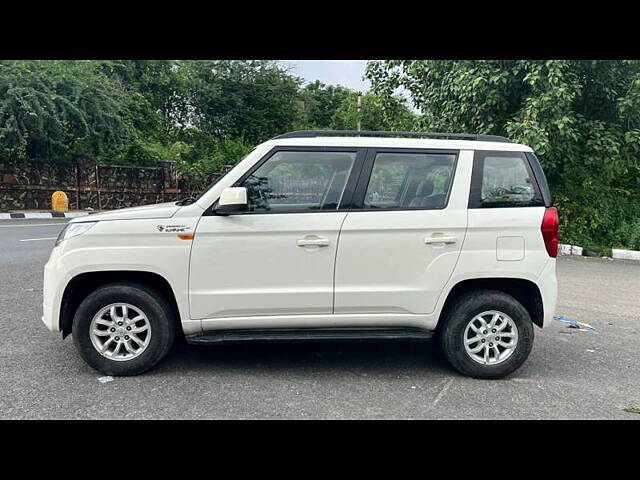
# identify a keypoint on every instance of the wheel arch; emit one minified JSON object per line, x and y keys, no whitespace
{"x":84,"y":283}
{"x":525,"y":291}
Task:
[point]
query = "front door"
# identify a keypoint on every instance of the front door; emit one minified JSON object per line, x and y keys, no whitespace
{"x":278,"y":258}
{"x":401,"y":241}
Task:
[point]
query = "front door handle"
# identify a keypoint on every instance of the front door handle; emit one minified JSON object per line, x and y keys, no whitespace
{"x":313,"y":242}
{"x":447,"y":240}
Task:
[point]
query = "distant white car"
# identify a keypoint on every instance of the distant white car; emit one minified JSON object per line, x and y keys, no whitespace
{"x":323,"y":235}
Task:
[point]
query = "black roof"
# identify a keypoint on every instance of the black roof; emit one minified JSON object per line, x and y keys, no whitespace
{"x":383,"y":133}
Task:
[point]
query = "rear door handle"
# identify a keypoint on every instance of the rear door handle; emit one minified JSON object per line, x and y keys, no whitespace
{"x":447,"y":240}
{"x":313,"y":242}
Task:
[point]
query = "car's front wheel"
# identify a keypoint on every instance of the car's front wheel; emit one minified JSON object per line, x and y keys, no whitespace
{"x":487,"y":334}
{"x":123,"y":329}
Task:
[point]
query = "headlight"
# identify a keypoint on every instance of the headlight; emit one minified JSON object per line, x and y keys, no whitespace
{"x":73,"y":230}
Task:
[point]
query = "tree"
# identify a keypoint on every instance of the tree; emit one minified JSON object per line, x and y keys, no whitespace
{"x":319,"y":103}
{"x":252,"y":100}
{"x":377,"y":112}
{"x":56,"y":109}
{"x":159,"y":105}
{"x":581,"y":117}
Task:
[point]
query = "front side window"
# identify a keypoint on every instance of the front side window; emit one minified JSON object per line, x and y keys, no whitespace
{"x":299,"y":181}
{"x":505,"y":180}
{"x":410,"y":180}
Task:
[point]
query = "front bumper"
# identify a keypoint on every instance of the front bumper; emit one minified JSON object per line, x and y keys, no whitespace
{"x":55,"y":281}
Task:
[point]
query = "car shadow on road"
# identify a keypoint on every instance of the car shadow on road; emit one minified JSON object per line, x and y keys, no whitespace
{"x":363,"y":357}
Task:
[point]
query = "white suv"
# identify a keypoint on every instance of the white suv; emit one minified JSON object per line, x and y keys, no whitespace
{"x":323,"y":235}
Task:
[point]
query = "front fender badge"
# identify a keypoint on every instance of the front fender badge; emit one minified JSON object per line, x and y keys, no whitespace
{"x":173,"y":228}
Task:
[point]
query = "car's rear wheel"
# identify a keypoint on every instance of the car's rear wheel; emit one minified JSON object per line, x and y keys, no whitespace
{"x":487,"y":334}
{"x":123,"y":329}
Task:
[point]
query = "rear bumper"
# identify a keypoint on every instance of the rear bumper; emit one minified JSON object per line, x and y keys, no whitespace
{"x":548,"y":285}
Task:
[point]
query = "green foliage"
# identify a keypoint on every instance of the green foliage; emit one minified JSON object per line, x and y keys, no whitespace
{"x":139,"y":154}
{"x":202,"y":156}
{"x":629,"y":235}
{"x":253,"y":100}
{"x":377,"y":112}
{"x":161,"y":86}
{"x":318,"y":104}
{"x":581,"y":117}
{"x":59,"y":109}
{"x":201,"y":114}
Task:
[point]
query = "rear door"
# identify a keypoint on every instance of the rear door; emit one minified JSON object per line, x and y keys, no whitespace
{"x":402,"y":237}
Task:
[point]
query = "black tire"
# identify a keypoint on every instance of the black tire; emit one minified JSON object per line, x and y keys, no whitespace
{"x":463,"y":311}
{"x":155,"y":307}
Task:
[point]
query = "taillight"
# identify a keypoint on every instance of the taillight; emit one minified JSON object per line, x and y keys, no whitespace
{"x":550,"y":224}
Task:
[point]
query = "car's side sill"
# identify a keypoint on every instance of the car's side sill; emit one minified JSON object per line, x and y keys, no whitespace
{"x":331,"y":321}
{"x":310,"y":335}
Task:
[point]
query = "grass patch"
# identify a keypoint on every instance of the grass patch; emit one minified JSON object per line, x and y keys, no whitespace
{"x":632,"y":410}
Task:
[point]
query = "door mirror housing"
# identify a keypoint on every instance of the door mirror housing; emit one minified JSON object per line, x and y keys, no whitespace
{"x":232,"y":200}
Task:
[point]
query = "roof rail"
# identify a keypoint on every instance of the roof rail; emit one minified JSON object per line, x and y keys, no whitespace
{"x":383,"y":133}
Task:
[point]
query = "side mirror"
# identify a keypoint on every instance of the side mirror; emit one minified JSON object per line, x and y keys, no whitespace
{"x":232,"y":200}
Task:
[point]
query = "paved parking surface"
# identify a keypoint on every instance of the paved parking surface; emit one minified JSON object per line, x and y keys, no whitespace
{"x":570,"y":373}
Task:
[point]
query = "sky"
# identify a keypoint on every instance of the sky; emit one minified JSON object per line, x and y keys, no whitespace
{"x":347,"y":73}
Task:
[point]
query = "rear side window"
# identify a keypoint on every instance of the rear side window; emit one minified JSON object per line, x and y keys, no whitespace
{"x":409,"y":181}
{"x":503,"y":179}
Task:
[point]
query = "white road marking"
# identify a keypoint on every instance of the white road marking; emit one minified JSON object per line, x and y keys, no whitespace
{"x":36,"y":239}
{"x":34,"y":225}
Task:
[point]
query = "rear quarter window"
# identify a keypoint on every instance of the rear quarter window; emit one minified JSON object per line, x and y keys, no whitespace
{"x":503,"y":179}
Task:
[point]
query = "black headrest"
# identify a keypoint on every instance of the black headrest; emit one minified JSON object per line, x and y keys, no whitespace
{"x":425,"y":188}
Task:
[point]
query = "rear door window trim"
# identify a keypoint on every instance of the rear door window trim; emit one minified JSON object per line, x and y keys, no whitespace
{"x":357,"y":205}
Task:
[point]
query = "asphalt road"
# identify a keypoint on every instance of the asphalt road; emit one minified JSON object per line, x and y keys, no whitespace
{"x":570,"y":373}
